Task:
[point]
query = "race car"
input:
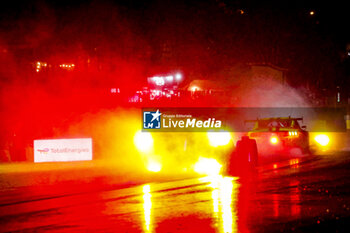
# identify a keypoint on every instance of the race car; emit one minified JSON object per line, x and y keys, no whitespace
{"x":210,"y":152}
{"x":184,"y":152}
{"x":280,"y":135}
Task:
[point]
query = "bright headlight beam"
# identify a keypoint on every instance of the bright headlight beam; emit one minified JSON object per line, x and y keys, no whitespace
{"x":322,"y":139}
{"x":207,"y":166}
{"x":154,"y":166}
{"x":219,"y":138}
{"x":143,"y":141}
{"x":274,"y":140}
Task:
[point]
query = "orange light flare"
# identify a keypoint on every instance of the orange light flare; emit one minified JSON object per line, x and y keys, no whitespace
{"x":275,"y":166}
{"x":322,"y":140}
{"x":274,"y":140}
{"x":294,"y":163}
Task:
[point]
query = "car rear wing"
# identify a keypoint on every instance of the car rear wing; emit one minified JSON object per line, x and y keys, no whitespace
{"x":275,"y":118}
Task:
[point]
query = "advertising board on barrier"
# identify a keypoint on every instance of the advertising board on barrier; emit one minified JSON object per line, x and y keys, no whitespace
{"x":59,"y":150}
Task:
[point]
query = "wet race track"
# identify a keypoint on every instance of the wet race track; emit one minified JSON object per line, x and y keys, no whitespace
{"x":309,"y":194}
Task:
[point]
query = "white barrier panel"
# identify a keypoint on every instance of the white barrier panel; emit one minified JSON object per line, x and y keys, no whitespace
{"x":58,"y":150}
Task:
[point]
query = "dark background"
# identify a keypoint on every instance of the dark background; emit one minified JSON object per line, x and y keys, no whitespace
{"x":121,"y":43}
{"x":197,"y":37}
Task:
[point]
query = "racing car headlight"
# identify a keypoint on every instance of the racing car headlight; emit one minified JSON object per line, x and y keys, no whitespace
{"x":154,"y":166}
{"x":274,"y":140}
{"x":322,"y":139}
{"x":207,"y":166}
{"x":219,"y":138}
{"x":143,"y":141}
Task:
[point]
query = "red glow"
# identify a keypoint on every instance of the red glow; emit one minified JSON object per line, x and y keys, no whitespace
{"x":295,"y":198}
{"x":276,"y":205}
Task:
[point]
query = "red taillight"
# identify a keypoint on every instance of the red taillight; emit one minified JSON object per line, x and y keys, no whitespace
{"x":293,"y":133}
{"x":294,"y":162}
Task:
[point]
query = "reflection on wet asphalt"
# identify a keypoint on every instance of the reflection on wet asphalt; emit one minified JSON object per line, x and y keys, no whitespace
{"x":304,"y":194}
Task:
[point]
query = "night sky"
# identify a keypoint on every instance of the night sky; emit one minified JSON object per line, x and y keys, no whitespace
{"x":199,"y":37}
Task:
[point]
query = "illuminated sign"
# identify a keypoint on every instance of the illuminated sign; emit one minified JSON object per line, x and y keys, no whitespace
{"x":164,"y":81}
{"x":58,"y":150}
